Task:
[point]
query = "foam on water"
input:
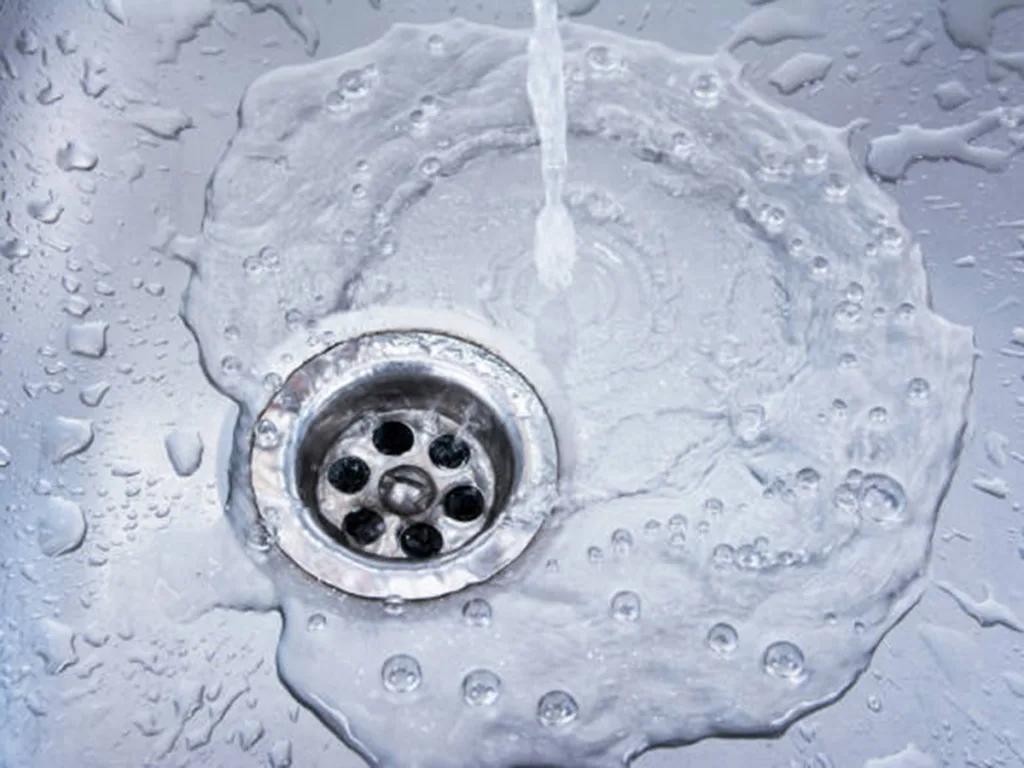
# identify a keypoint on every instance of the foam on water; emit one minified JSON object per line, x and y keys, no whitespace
{"x":765,"y":412}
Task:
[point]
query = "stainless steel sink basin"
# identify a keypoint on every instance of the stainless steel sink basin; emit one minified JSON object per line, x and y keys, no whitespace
{"x":139,"y":625}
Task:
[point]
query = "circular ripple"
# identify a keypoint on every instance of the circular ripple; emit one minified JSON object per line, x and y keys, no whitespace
{"x":734,"y":363}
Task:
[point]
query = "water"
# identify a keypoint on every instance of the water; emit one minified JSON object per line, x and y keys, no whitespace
{"x":555,"y":245}
{"x":758,"y":410}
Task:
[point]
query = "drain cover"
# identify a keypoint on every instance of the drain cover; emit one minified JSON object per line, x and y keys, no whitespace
{"x":404,"y":464}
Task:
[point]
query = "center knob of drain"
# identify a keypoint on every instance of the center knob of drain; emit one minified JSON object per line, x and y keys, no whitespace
{"x":407,"y":490}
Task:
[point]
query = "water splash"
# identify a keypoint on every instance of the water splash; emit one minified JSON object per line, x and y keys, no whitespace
{"x":756,"y":466}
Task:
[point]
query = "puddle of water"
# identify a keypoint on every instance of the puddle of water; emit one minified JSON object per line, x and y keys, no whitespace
{"x":765,"y":412}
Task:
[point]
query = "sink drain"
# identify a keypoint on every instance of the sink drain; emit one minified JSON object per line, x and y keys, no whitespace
{"x":404,"y":464}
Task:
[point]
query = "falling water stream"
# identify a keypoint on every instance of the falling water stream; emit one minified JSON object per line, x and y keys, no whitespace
{"x":762,"y":409}
{"x":555,"y":248}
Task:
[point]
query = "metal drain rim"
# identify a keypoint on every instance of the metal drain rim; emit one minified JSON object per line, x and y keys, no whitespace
{"x":303,"y":397}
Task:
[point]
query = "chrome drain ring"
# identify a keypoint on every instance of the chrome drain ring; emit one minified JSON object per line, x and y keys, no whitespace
{"x":404,"y":464}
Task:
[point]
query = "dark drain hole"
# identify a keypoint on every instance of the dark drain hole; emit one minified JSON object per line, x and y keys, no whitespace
{"x":393,"y":438}
{"x":348,"y":474}
{"x":420,"y":541}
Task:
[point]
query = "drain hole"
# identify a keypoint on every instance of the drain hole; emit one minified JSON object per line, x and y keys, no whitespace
{"x":449,"y":452}
{"x":420,"y":541}
{"x":348,"y":474}
{"x":393,"y":438}
{"x":464,"y":503}
{"x":364,"y":526}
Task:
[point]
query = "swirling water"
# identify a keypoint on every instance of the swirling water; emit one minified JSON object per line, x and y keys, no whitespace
{"x":759,"y":411}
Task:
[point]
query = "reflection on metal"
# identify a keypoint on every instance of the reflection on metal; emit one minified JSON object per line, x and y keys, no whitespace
{"x":410,"y":464}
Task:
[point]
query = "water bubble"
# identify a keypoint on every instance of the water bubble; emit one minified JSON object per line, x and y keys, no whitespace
{"x":625,"y":607}
{"x":918,"y":390}
{"x":837,"y":188}
{"x":267,"y":435}
{"x":815,"y":158}
{"x":706,"y":88}
{"x":848,"y":361}
{"x":354,"y":84}
{"x":481,"y":688}
{"x":882,"y":499}
{"x":577,"y":7}
{"x":723,"y":556}
{"x":652,"y":526}
{"x":855,"y":292}
{"x":808,"y":478}
{"x":622,"y":541}
{"x":874,"y":704}
{"x":677,"y":542}
{"x":316,"y":622}
{"x":683,"y":145}
{"x":435,"y":44}
{"x":677,"y":522}
{"x":231,"y":365}
{"x":599,"y":58}
{"x":892,"y":240}
{"x":878,"y":415}
{"x":430,"y":167}
{"x":595,"y":554}
{"x":847,"y":314}
{"x":784,"y":660}
{"x":819,"y":267}
{"x":394,"y":605}
{"x":723,"y":639}
{"x":557,"y":709}
{"x":713,"y":507}
{"x":477,"y":612}
{"x":401,"y":674}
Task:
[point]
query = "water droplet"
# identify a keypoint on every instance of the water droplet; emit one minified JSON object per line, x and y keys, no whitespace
{"x":622,"y":541}
{"x":785,"y":660}
{"x":87,"y":339}
{"x":401,"y":674}
{"x":231,"y":365}
{"x":706,"y":88}
{"x":723,"y":639}
{"x":93,"y":395}
{"x":430,"y":167}
{"x":267,"y":436}
{"x":837,"y":188}
{"x":354,"y":84}
{"x":481,"y":688}
{"x":874,"y":704}
{"x":882,"y":499}
{"x":67,"y":437}
{"x":723,"y":556}
{"x":625,"y":607}
{"x":808,"y":478}
{"x":316,"y":622}
{"x":599,"y":58}
{"x":76,"y":156}
{"x":46,"y":211}
{"x":556,"y":709}
{"x":918,"y":390}
{"x":185,"y":451}
{"x":61,"y":526}
{"x":477,"y":612}
{"x":435,"y":44}
{"x":394,"y":605}
{"x":577,"y":7}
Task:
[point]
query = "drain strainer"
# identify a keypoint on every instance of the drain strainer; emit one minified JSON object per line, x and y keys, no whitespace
{"x":404,"y":464}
